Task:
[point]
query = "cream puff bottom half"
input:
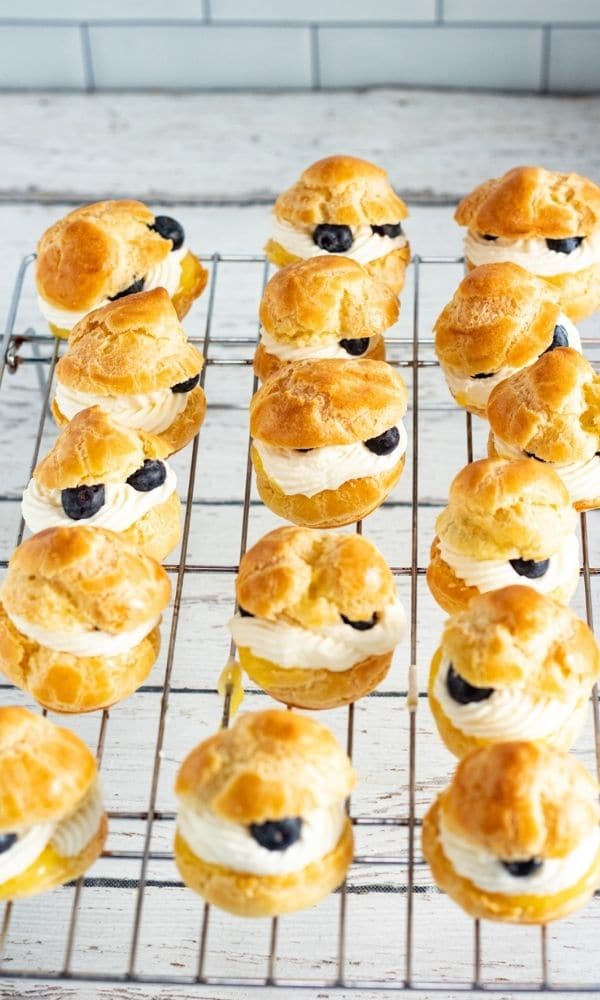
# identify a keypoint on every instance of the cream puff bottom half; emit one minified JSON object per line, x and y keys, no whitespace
{"x":315,"y":689}
{"x":579,"y":291}
{"x":50,"y":869}
{"x":266,"y":364}
{"x":590,"y":503}
{"x":494,"y":905}
{"x":265,"y":895}
{"x":389,"y":269}
{"x":159,"y":530}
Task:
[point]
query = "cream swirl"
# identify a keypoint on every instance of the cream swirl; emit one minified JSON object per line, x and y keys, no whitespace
{"x":75,"y":831}
{"x":582,"y":479}
{"x":366,"y":245}
{"x":27,"y":847}
{"x":487,"y":872}
{"x":149,"y":411}
{"x":123,"y":505}
{"x":84,"y":642}
{"x":328,"y":347}
{"x":220,"y":842}
{"x":311,"y":472}
{"x":533,"y":254}
{"x":334,"y":647}
{"x":492,"y":574}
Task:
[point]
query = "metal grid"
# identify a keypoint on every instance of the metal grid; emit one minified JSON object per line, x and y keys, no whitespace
{"x":45,"y":351}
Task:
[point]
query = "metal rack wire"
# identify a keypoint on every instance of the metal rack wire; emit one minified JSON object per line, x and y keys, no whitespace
{"x":43,"y":351}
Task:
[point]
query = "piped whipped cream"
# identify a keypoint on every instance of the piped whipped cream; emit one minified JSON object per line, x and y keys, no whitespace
{"x":289,"y":351}
{"x":149,"y":411}
{"x":220,"y":842}
{"x":582,"y":479}
{"x":165,"y":274}
{"x":366,"y":245}
{"x":487,"y":872}
{"x":123,"y":505}
{"x":84,"y":642}
{"x":492,"y":574}
{"x":334,"y":647}
{"x":533,"y":254}
{"x":510,"y":713}
{"x":311,"y":472}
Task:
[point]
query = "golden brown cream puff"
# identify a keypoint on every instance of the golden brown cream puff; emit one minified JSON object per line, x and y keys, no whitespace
{"x":52,"y":819}
{"x":342,"y":205}
{"x":323,"y":307}
{"x":79,"y":615}
{"x":515,"y":836}
{"x":551,"y":413}
{"x":548,"y":223}
{"x":99,"y":253}
{"x":500,"y":320}
{"x":507,"y":522}
{"x":514,"y":665}
{"x":106,"y":475}
{"x":319,"y":617}
{"x":328,"y":439}
{"x":133,"y":359}
{"x":261,"y":825}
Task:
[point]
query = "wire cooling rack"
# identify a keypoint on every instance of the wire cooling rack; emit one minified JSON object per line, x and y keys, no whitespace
{"x":402,"y":940}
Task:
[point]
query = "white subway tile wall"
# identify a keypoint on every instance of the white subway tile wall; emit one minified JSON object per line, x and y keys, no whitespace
{"x":519,"y":45}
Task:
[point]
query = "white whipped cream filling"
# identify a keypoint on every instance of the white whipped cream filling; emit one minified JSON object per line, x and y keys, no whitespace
{"x":68,"y":837}
{"x":84,"y":642}
{"x":487,"y":872}
{"x":311,"y":472}
{"x":331,"y":647}
{"x":149,"y":411}
{"x":165,"y":274}
{"x":366,"y":245}
{"x":510,"y":713}
{"x":123,"y":505}
{"x":286,"y":351}
{"x":582,"y":479}
{"x":532,"y":254}
{"x":492,"y":574}
{"x":220,"y":842}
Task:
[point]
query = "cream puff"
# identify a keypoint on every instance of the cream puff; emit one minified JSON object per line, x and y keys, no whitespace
{"x":551,"y":413}
{"x":342,"y":205}
{"x":261,"y":823}
{"x":79,"y":615}
{"x":319,"y":617}
{"x":500,"y":320}
{"x":515,"y":836}
{"x":323,"y":307}
{"x":103,"y":474}
{"x":548,"y":223}
{"x":52,"y":819}
{"x":328,"y":440}
{"x":99,"y":253}
{"x":133,"y":359}
{"x":507,"y":522}
{"x":514,"y":665}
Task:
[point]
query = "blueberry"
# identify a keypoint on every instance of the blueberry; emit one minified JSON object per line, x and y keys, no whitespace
{"x":333,"y":239}
{"x":385,"y":443}
{"x":488,"y":237}
{"x":565,"y":246}
{"x":80,"y":502}
{"x":521,"y":869}
{"x":361,"y":626}
{"x":136,"y":287}
{"x":560,"y":339}
{"x":484,"y":375}
{"x":186,"y":386}
{"x":169,"y":229}
{"x":530,"y":568}
{"x":6,"y":841}
{"x":355,"y":347}
{"x":462,"y":692}
{"x":244,"y":613}
{"x":531,"y":455}
{"x":277,"y":835}
{"x":150,"y":475}
{"x":388,"y":230}
{"x":303,"y":451}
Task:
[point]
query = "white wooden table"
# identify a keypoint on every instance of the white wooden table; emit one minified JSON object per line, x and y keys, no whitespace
{"x":219,"y":160}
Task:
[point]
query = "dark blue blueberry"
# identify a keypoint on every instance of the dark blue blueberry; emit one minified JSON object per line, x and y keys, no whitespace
{"x":244,"y":613}
{"x":488,"y":237}
{"x":303,"y":450}
{"x":361,"y":626}
{"x":521,"y":869}
{"x":80,"y":502}
{"x":531,"y":455}
{"x":333,"y":239}
{"x":384,"y":443}
{"x":137,"y":286}
{"x":169,"y":229}
{"x":277,"y":835}
{"x":484,"y":375}
{"x":530,"y":568}
{"x":565,"y":246}
{"x":559,"y":339}
{"x":150,"y":475}
{"x":186,"y":386}
{"x":355,"y":347}
{"x":388,"y":230}
{"x":462,"y":692}
{"x":6,"y":841}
